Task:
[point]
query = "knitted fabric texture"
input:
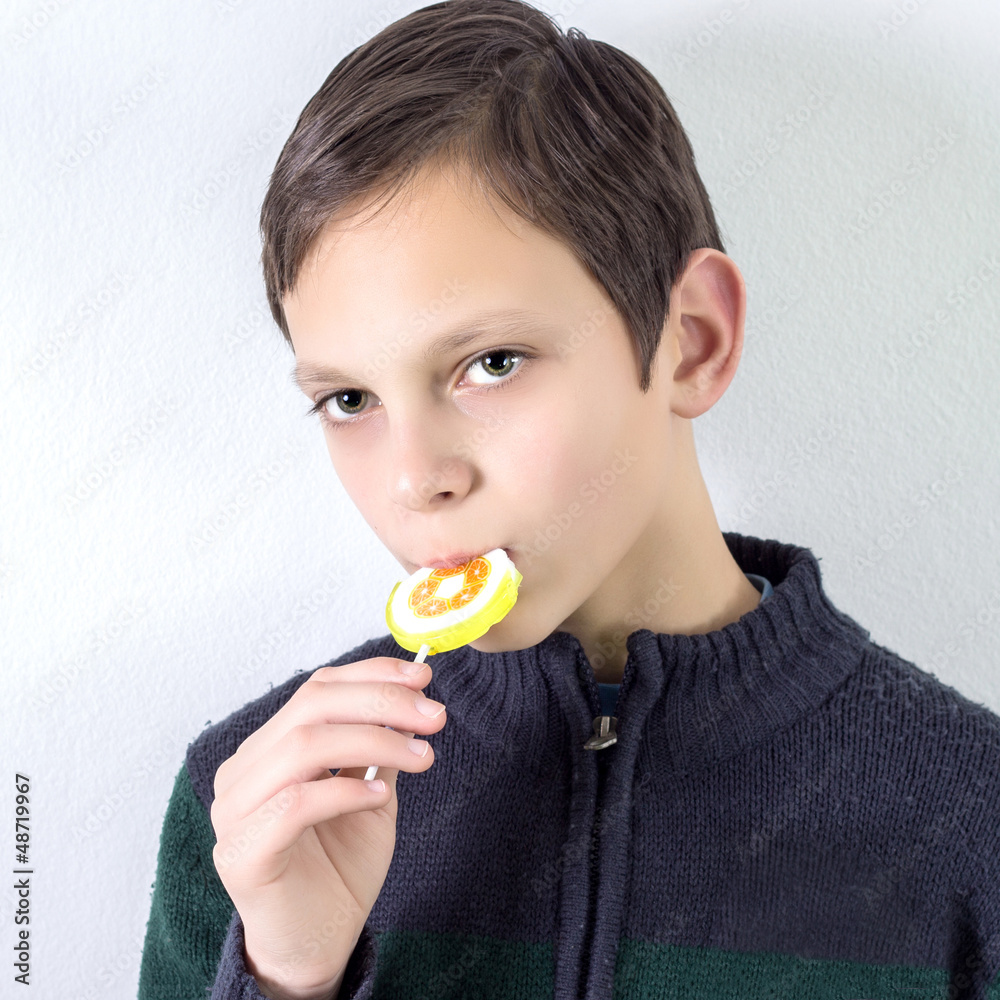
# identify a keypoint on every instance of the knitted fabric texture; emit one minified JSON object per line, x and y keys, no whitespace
{"x":791,"y":810}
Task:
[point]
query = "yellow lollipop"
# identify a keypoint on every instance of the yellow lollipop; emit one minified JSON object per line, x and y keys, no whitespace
{"x":435,"y":610}
{"x":443,"y":609}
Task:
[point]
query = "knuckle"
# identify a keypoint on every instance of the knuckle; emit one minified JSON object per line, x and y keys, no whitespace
{"x":299,"y":739}
{"x":371,"y":740}
{"x":287,"y":802}
{"x":391,"y":691}
{"x":323,"y":675}
{"x":215,"y":816}
{"x":218,"y":855}
{"x":226,"y":854}
{"x":383,"y":695}
{"x":312,"y":687}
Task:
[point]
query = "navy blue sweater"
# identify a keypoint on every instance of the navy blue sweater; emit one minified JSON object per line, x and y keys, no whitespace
{"x":790,"y":810}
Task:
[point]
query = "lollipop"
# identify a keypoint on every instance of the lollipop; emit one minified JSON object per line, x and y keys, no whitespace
{"x":435,"y":610}
{"x":443,"y":609}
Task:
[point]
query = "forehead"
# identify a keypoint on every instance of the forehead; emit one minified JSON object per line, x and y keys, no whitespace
{"x":437,"y":257}
{"x":435,"y":203}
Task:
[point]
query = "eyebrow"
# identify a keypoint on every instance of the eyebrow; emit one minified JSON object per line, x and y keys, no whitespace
{"x":502,"y":324}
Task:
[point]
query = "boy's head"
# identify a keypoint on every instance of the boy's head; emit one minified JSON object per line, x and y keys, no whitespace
{"x":471,"y":240}
{"x":573,"y":135}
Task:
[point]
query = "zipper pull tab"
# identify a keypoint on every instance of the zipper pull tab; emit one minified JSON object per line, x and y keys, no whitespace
{"x":604,"y":733}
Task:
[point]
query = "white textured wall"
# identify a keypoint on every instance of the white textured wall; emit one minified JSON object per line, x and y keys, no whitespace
{"x":852,"y":154}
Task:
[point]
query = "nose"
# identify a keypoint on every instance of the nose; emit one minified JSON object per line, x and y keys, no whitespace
{"x":426,"y":468}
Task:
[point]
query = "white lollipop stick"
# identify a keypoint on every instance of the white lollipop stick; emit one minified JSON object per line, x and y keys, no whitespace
{"x":419,"y":658}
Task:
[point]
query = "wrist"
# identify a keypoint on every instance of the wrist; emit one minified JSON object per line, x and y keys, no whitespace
{"x":280,"y":986}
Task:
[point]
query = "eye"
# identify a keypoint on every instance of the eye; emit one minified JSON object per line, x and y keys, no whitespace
{"x":339,"y":407}
{"x":493,"y":366}
{"x":348,"y":401}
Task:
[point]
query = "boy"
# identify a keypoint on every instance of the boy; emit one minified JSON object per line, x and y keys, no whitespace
{"x":674,"y":769}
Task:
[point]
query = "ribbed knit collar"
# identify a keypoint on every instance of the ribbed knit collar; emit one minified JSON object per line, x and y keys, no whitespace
{"x":708,"y":696}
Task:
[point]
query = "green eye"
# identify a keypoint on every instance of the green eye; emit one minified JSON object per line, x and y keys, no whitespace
{"x":494,"y":365}
{"x":498,"y":364}
{"x":350,"y":401}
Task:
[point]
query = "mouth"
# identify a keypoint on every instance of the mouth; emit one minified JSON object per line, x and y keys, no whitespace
{"x":450,"y":562}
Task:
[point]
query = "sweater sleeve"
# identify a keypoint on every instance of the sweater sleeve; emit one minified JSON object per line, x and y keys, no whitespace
{"x":194,"y":937}
{"x":235,"y":983}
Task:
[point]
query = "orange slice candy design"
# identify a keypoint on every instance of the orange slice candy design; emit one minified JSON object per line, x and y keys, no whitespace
{"x":423,"y":600}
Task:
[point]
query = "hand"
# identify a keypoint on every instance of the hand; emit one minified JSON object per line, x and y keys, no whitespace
{"x":304,"y":853}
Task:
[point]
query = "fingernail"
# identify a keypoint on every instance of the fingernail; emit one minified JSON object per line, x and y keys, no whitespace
{"x":410,"y":667}
{"x":428,"y":707}
{"x":419,"y":747}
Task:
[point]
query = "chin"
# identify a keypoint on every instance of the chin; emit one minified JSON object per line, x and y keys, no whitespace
{"x":507,"y":635}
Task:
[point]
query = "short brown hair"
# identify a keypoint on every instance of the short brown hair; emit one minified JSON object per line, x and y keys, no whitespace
{"x":574,"y":135}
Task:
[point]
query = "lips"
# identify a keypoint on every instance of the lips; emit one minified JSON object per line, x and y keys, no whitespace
{"x":450,"y":562}
{"x":460,"y":559}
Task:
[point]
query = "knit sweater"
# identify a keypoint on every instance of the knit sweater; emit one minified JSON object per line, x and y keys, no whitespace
{"x":790,"y":810}
{"x":608,"y":693}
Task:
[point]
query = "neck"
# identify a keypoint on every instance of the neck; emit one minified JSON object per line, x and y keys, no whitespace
{"x":679,"y":578}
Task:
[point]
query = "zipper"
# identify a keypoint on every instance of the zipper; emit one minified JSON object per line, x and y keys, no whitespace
{"x":604,"y":733}
{"x":604,"y":736}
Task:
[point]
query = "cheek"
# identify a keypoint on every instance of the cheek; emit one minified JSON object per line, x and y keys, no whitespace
{"x":355,"y":476}
{"x":580,"y":491}
{"x":556,"y":455}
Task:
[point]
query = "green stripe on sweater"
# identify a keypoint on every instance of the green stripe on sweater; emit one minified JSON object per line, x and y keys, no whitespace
{"x":660,"y":971}
{"x":460,"y":965}
{"x":434,"y":966}
{"x":190,"y":910}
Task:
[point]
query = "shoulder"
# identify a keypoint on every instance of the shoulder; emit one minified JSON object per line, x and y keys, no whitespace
{"x":221,"y":740}
{"x":925,"y":704}
{"x":927,"y":745}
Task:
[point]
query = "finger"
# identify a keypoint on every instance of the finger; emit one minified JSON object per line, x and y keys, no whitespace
{"x":308,"y":753}
{"x":385,"y":668}
{"x":257,"y":844}
{"x":382,"y":703}
{"x":387,"y":774}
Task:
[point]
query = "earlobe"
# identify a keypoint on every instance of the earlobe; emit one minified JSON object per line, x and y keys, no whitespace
{"x":707,"y":311}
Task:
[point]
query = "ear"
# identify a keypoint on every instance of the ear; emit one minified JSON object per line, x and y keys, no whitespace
{"x":703,"y":333}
